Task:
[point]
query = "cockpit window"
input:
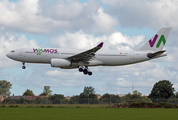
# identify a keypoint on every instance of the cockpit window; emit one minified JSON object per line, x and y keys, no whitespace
{"x":12,"y":51}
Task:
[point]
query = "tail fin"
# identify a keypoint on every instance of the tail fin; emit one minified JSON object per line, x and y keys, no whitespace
{"x":158,"y":41}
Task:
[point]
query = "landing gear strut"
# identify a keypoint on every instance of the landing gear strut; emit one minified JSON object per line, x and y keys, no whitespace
{"x":85,"y":70}
{"x":23,"y":67}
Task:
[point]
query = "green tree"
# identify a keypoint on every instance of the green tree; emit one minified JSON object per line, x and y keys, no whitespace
{"x":65,"y":101}
{"x":135,"y":94}
{"x":88,"y":95}
{"x":162,"y":89}
{"x":176,"y":94}
{"x":22,"y":100}
{"x":39,"y":100}
{"x":28,"y":92}
{"x":46,"y":91}
{"x":74,"y":99}
{"x":56,"y":98}
{"x":135,"y":97}
{"x":110,"y":98}
{"x":5,"y":88}
{"x":88,"y":91}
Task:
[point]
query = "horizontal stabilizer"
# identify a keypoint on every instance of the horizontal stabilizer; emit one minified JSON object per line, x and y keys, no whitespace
{"x":152,"y":55}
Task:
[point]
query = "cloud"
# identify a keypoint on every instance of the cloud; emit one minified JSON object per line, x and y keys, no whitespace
{"x":61,"y":9}
{"x":63,"y":74}
{"x":23,"y":16}
{"x":42,"y":75}
{"x":81,"y":40}
{"x":78,"y":40}
{"x":43,"y":17}
{"x":154,"y":13}
{"x":104,"y":22}
{"x":118,"y":38}
{"x":90,"y":17}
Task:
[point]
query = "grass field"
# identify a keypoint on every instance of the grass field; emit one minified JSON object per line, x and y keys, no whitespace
{"x":87,"y":114}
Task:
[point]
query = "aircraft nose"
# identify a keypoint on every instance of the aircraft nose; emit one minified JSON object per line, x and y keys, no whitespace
{"x":11,"y":54}
{"x":8,"y":55}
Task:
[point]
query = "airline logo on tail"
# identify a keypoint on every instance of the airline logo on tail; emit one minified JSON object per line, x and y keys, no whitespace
{"x":162,"y":39}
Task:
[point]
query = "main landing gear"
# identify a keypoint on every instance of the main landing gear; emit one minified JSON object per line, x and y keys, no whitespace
{"x":85,"y":70}
{"x":23,"y":67}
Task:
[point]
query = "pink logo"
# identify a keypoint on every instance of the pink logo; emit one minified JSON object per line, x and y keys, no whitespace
{"x":45,"y":50}
{"x":154,"y":40}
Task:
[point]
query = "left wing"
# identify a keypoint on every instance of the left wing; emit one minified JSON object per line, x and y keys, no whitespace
{"x":85,"y":56}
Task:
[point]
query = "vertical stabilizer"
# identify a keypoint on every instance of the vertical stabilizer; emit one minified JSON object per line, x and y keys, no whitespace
{"x":158,"y":41}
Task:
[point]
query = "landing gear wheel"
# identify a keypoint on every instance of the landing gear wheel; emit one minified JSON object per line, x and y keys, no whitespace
{"x":85,"y":71}
{"x":90,"y":73}
{"x":80,"y":69}
{"x":23,"y":67}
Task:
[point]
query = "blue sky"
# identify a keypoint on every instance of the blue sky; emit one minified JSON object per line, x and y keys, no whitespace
{"x":82,"y":24}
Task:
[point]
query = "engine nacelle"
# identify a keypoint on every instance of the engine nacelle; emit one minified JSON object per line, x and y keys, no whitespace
{"x":60,"y":63}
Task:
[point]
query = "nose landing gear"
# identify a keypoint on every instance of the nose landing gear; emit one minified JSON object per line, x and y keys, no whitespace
{"x":85,"y":70}
{"x":23,"y":67}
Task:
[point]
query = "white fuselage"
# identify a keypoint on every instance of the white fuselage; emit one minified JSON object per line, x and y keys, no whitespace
{"x":102,"y":57}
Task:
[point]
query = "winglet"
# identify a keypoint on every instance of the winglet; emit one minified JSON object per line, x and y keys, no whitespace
{"x":100,"y":45}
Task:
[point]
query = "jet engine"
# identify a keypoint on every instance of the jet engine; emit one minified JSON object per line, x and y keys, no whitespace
{"x":60,"y":63}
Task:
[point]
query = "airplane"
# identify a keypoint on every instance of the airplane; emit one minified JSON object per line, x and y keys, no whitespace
{"x":82,"y":59}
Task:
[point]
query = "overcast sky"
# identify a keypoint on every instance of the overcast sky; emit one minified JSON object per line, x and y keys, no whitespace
{"x":82,"y":24}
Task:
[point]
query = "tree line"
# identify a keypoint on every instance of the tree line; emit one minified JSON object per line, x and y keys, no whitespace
{"x":162,"y":91}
